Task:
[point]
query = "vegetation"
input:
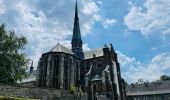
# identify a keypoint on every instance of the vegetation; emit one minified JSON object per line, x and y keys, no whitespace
{"x":73,"y":89}
{"x":12,"y":59}
{"x":81,"y":92}
{"x":125,"y":83}
{"x":164,"y":78}
{"x":10,"y":98}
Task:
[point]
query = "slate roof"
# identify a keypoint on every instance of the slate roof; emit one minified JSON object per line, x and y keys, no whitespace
{"x":159,"y":87}
{"x":89,"y":54}
{"x":61,"y":48}
{"x":30,"y":77}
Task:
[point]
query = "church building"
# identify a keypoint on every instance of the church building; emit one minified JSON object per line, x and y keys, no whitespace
{"x":95,"y":72}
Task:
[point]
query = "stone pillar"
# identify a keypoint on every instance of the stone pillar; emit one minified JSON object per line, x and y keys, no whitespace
{"x":78,"y":70}
{"x":49,"y":72}
{"x":61,"y":71}
{"x":72,"y":71}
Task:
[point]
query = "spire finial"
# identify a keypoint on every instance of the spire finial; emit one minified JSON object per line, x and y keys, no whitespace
{"x":76,"y":11}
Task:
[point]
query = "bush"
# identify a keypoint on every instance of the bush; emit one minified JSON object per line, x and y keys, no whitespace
{"x":73,"y":89}
{"x":81,"y":92}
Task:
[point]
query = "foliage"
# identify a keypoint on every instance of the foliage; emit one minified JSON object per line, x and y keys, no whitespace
{"x":164,"y":77}
{"x":73,"y":89}
{"x":12,"y":59}
{"x":11,"y":98}
{"x":125,"y":83}
{"x":81,"y":92}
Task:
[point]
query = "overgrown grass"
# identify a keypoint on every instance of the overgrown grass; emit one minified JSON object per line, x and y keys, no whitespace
{"x":11,"y":98}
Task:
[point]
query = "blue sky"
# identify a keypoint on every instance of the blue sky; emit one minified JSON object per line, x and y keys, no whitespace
{"x":138,"y":29}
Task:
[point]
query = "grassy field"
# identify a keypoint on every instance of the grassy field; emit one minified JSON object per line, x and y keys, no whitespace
{"x":11,"y":98}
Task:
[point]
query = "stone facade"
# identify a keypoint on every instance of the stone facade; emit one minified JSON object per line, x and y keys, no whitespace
{"x":96,"y":72}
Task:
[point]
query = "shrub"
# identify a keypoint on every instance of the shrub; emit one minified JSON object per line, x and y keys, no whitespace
{"x":73,"y":89}
{"x":81,"y":92}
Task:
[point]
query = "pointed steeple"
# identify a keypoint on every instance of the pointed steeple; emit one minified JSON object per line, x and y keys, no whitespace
{"x":76,"y":38}
{"x":76,"y":11}
{"x":76,"y":29}
{"x":31,"y":67}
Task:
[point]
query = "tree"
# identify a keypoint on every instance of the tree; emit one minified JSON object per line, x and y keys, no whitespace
{"x":12,"y":58}
{"x":164,"y":77}
{"x":125,"y":83}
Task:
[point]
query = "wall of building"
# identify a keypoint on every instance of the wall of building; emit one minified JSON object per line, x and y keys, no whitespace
{"x":58,"y":70}
{"x":150,"y":97}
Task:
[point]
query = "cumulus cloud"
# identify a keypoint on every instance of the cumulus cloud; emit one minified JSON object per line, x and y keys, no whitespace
{"x":45,"y":23}
{"x":133,"y":70}
{"x":2,"y":8}
{"x":108,"y":22}
{"x":150,"y":18}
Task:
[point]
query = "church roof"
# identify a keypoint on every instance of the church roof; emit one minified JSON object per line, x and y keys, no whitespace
{"x":97,"y":52}
{"x":87,"y":54}
{"x":61,"y":48}
{"x":30,"y":77}
{"x":159,"y":87}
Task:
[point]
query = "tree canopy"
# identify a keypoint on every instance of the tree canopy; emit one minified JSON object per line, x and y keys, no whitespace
{"x":165,"y":77}
{"x":125,"y":83}
{"x":12,"y":59}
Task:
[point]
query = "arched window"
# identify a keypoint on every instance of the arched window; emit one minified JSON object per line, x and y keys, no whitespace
{"x":55,"y":72}
{"x":94,"y":92}
{"x":66,"y":73}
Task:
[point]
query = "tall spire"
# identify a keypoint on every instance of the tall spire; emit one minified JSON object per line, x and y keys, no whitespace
{"x":76,"y":11}
{"x":76,"y":38}
{"x":76,"y":29}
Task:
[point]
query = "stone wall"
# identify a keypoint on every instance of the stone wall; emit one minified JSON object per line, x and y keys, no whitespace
{"x":37,"y":93}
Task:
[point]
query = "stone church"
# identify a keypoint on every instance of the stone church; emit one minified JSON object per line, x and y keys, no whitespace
{"x":96,"y":72}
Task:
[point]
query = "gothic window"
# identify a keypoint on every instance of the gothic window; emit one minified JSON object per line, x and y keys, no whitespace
{"x":94,"y":92}
{"x":40,"y":73}
{"x":99,"y":66}
{"x":66,"y":73}
{"x":44,"y":71}
{"x":76,"y":71}
{"x":55,"y":73}
{"x":87,"y":67}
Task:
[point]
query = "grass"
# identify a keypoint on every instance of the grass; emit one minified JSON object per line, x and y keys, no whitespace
{"x":12,"y":98}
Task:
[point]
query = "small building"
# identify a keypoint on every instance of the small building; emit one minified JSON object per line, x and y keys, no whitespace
{"x":159,"y":90}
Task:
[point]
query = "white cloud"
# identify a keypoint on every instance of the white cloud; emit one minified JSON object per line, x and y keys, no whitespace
{"x":85,"y":47}
{"x":132,"y":69}
{"x":2,"y":7}
{"x":90,"y":8}
{"x":108,"y":22}
{"x":44,"y":23}
{"x":100,"y":2}
{"x":151,"y":18}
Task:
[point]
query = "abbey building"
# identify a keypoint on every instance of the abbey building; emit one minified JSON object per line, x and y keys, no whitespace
{"x":95,"y":72}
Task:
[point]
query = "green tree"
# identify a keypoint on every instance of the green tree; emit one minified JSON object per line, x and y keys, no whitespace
{"x":12,"y":58}
{"x":125,"y":83}
{"x":165,"y":77}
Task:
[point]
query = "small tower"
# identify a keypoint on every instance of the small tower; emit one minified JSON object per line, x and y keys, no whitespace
{"x":76,"y":38}
{"x":31,"y":67}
